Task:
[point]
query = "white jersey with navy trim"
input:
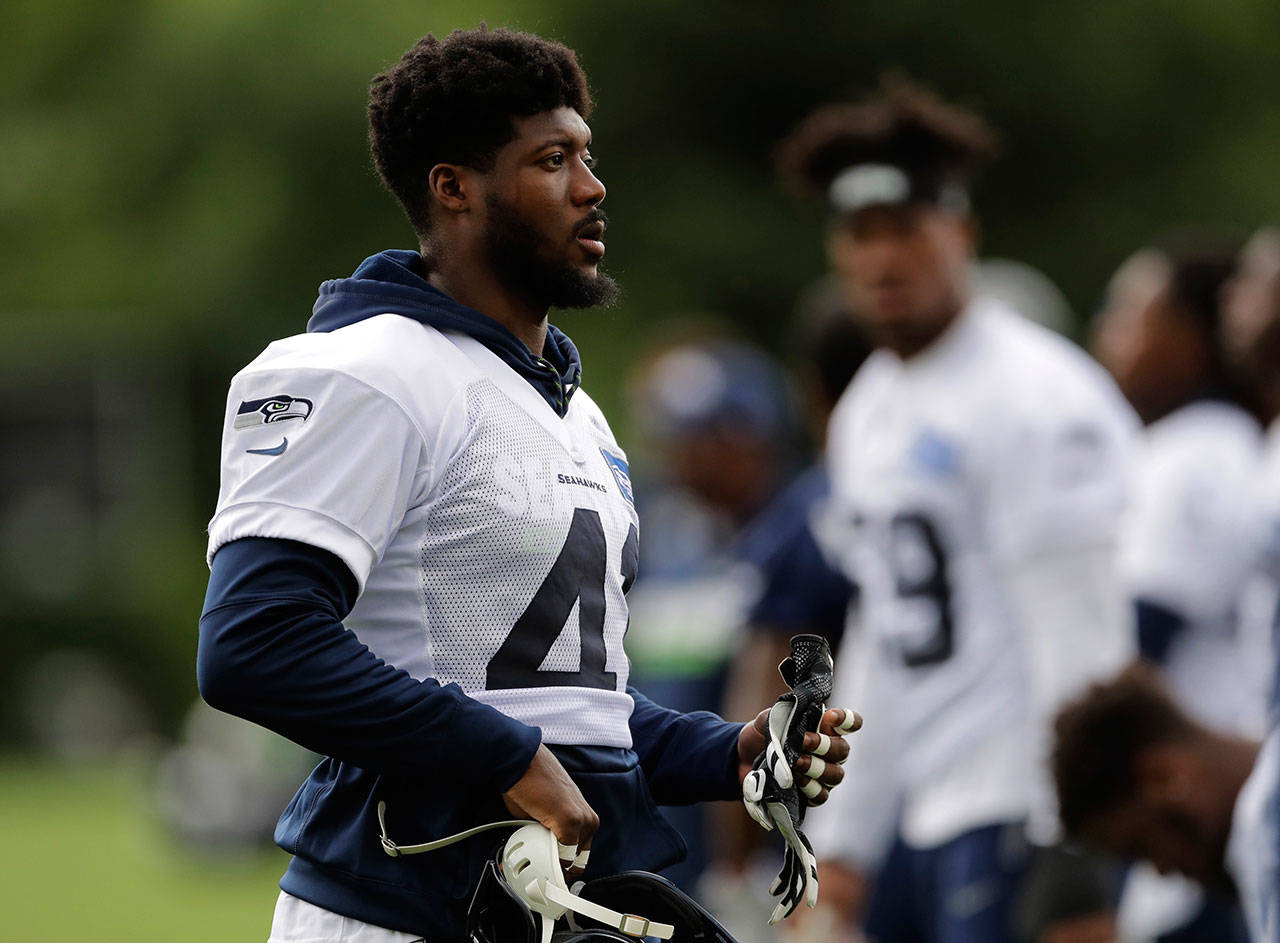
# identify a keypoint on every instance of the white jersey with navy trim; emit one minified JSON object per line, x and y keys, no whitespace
{"x":977,"y":490}
{"x":1184,"y":547}
{"x":492,"y":540}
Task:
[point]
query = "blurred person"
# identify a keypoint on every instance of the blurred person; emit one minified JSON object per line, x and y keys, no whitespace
{"x":718,"y":419}
{"x":1137,"y":777}
{"x":979,"y":469}
{"x":799,"y":592}
{"x":1184,"y":558}
{"x":425,"y":530}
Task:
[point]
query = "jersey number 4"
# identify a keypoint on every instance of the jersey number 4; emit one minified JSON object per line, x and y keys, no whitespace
{"x":577,"y":576}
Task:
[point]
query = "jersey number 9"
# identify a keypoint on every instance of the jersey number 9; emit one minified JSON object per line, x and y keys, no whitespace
{"x":927,"y":636}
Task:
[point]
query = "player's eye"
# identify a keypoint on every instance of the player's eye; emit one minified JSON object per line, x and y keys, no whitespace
{"x":590,"y":161}
{"x":554,"y":160}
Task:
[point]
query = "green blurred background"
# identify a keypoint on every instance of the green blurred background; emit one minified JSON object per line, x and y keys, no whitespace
{"x":179,"y":176}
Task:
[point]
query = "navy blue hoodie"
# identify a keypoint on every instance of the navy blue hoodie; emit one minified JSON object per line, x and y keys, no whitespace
{"x":273,"y":649}
{"x":394,"y":282}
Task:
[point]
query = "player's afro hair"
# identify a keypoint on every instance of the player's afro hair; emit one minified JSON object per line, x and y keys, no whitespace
{"x":452,"y":100}
{"x":1098,"y":736}
{"x":901,"y":123}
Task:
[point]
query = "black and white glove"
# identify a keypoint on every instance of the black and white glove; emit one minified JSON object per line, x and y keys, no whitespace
{"x":770,"y":792}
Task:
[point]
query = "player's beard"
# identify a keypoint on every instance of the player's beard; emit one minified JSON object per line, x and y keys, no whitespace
{"x":516,"y":250}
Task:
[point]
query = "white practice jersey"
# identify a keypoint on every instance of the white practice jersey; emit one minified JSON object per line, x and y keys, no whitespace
{"x":1184,"y":548}
{"x":492,"y":540}
{"x":977,"y":491}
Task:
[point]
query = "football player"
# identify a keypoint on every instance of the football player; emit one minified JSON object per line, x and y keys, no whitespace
{"x":1184,"y":558}
{"x":425,"y":530}
{"x":1138,"y":778}
{"x":978,"y":465}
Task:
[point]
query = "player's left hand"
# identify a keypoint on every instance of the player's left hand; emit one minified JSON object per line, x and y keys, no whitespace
{"x":818,"y":767}
{"x":776,"y":795}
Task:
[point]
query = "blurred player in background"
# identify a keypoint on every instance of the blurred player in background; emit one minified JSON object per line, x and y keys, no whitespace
{"x":425,"y":530}
{"x":1186,"y":558}
{"x":979,"y":471}
{"x":798,"y":591}
{"x":1183,"y":560}
{"x":717,"y":418}
{"x":1139,"y":778}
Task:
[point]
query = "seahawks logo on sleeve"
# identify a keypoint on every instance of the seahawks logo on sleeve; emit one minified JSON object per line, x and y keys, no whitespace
{"x":257,"y":412}
{"x":621,"y":473}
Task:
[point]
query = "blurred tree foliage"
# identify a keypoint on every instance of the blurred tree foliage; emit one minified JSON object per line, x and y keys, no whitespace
{"x":178,"y":177}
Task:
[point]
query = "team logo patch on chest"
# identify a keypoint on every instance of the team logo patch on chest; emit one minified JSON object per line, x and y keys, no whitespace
{"x":621,"y":473}
{"x":258,"y":412}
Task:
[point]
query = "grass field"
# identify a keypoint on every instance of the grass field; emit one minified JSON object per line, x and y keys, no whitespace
{"x":82,"y":859}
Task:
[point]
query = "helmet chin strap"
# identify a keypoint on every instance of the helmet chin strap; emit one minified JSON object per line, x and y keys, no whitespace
{"x":630,"y":924}
{"x":531,"y":866}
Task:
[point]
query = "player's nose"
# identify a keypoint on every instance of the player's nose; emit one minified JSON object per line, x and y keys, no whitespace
{"x":589,"y":188}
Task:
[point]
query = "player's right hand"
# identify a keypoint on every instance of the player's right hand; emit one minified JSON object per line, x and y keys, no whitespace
{"x":546,"y":794}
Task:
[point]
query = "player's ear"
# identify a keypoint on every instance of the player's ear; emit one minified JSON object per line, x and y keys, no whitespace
{"x":450,"y":187}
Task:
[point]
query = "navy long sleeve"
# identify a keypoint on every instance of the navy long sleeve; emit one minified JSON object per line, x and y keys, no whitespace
{"x":274,"y":651}
{"x":800,"y":591}
{"x":686,"y":758}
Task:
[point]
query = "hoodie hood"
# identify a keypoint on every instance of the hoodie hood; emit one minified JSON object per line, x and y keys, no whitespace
{"x":393,"y":282}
